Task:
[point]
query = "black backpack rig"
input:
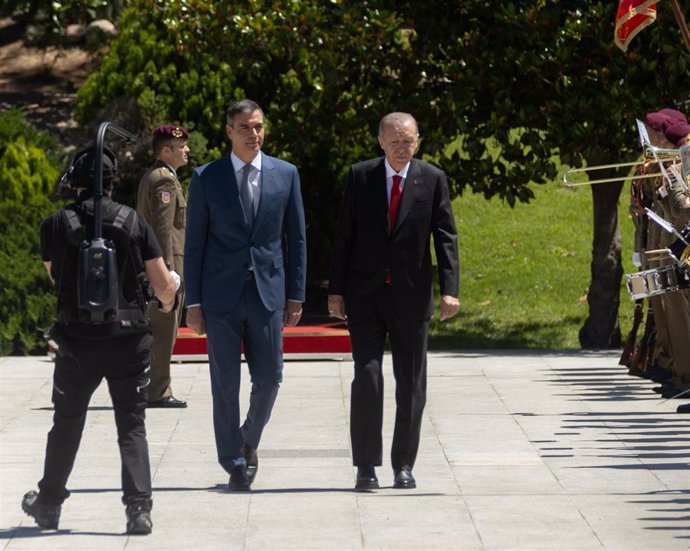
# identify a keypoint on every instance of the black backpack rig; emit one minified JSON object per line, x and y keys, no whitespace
{"x":100,"y":296}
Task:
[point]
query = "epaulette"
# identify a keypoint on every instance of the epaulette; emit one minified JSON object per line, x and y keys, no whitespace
{"x":165,"y":172}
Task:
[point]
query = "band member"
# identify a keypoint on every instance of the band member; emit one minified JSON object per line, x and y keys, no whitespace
{"x":666,"y":346}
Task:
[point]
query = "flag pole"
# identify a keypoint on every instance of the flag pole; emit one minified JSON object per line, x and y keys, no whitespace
{"x":681,"y":22}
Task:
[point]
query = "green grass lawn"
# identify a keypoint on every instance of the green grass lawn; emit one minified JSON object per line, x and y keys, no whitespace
{"x":524,"y":271}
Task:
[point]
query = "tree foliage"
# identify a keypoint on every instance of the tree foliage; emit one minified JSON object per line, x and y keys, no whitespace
{"x":508,"y":84}
{"x":318,"y":69}
{"x":27,"y":303}
{"x":545,"y":77}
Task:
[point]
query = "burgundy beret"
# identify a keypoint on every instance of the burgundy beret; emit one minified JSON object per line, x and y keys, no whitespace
{"x":170,"y":132}
{"x":662,"y":119}
{"x":678,"y":133}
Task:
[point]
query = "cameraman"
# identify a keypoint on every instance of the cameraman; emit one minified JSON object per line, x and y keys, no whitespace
{"x":117,"y":348}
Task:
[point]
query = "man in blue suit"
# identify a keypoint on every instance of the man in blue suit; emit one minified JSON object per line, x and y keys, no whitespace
{"x":245,"y":266}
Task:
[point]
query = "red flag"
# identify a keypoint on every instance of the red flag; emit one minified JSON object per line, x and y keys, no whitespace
{"x":632,"y":17}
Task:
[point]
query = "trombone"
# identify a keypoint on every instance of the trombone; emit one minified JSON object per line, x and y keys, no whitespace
{"x":651,"y":155}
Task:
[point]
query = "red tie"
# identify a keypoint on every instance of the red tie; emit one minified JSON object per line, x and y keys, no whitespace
{"x":394,"y":206}
{"x":393,"y":209}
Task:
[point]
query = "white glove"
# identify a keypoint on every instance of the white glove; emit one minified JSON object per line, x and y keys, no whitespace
{"x":176,"y":279}
{"x":636,"y":260}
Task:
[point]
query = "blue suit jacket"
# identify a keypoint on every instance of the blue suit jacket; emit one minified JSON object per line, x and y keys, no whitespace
{"x":220,"y":247}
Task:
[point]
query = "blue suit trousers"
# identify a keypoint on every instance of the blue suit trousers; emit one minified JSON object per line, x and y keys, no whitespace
{"x":261,"y":331}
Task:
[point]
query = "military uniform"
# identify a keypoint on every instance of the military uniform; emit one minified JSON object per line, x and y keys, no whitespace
{"x":671,"y":310}
{"x":657,"y":239}
{"x":161,"y":201}
{"x":676,"y":305}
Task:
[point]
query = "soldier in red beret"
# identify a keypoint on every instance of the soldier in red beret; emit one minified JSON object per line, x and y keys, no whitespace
{"x":161,"y":201}
{"x":678,"y":134}
{"x":668,"y":128}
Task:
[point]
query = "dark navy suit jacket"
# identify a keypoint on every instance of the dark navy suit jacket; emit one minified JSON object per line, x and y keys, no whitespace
{"x":220,"y":247}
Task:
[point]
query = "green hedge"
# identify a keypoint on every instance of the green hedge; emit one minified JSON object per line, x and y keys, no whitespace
{"x":28,"y":174}
{"x":26,"y":171}
{"x":27,"y":301}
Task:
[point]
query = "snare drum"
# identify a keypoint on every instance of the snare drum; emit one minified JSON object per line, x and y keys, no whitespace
{"x":658,"y":281}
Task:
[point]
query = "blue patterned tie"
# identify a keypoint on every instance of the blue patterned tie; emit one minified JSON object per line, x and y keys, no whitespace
{"x":246,"y":195}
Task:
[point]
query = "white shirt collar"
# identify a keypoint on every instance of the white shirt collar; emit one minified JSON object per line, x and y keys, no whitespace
{"x":390,"y":172}
{"x":238,"y":164}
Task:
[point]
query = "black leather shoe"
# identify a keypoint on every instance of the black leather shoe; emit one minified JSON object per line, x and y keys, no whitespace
{"x":139,"y":518}
{"x":239,"y":481}
{"x":658,"y":374}
{"x":683,"y":408}
{"x":169,"y":402}
{"x":46,"y":516}
{"x":252,"y":458}
{"x":404,"y":479}
{"x":366,"y":478}
{"x":674,"y":393}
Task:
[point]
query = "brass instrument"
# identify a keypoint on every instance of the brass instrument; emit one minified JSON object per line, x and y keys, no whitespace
{"x":651,"y":155}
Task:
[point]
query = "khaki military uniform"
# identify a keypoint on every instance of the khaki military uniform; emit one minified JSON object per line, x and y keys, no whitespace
{"x":161,"y":201}
{"x":656,"y":239}
{"x":676,"y":305}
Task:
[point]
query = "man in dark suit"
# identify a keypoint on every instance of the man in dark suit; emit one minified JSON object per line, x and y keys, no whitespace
{"x":245,"y":267}
{"x":381,"y":281}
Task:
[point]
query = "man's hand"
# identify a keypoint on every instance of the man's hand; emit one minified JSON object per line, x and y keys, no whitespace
{"x":195,"y":319}
{"x":166,"y":307}
{"x":293,"y":313}
{"x":449,"y":306}
{"x":336,"y":306}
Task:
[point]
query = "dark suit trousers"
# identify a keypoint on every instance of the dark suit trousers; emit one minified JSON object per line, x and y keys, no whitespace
{"x":261,"y":331}
{"x":408,"y":338}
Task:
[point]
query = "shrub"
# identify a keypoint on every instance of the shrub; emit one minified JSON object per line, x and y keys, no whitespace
{"x":27,"y":301}
{"x":25,"y":171}
{"x":13,"y":124}
{"x":28,"y":173}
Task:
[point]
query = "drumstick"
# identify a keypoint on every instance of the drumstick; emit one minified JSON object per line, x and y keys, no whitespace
{"x":666,"y":225}
{"x":660,"y":252}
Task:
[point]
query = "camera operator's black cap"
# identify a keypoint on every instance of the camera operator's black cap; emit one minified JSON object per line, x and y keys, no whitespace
{"x":82,"y":170}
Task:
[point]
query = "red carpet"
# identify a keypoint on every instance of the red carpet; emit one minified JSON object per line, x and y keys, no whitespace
{"x":311,"y":342}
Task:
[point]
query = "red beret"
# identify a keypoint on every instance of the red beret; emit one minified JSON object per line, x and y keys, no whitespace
{"x":678,"y":133}
{"x":170,"y":132}
{"x":662,"y":119}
